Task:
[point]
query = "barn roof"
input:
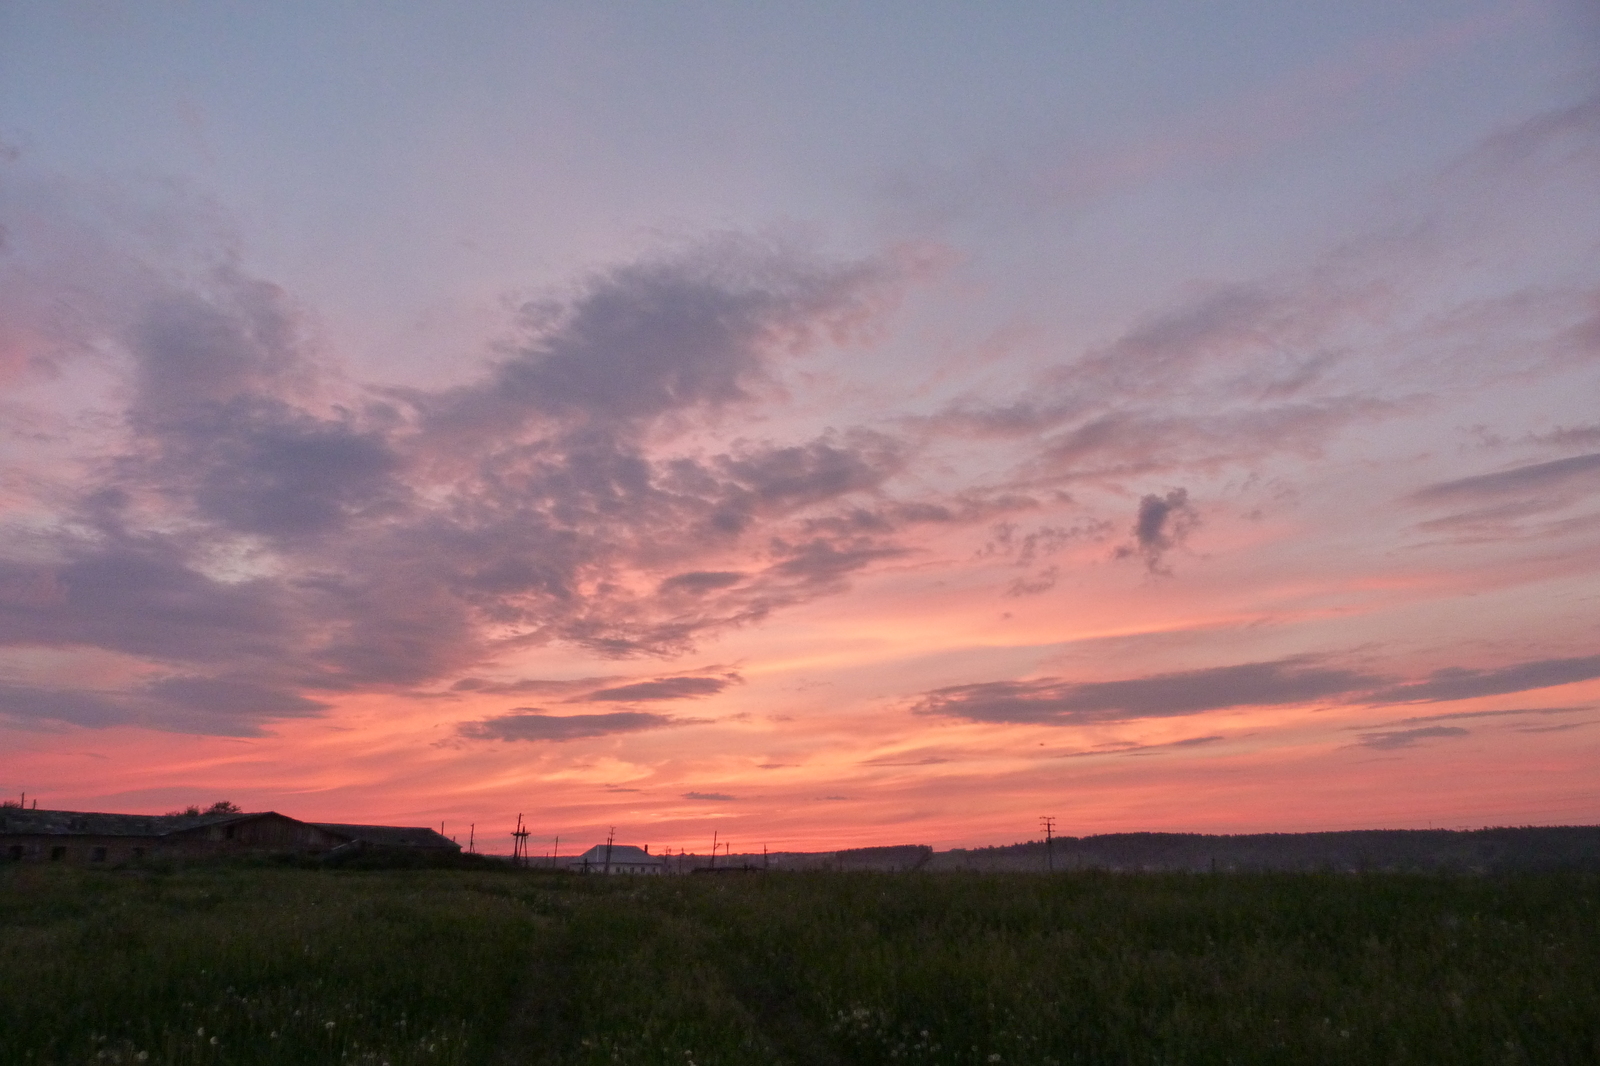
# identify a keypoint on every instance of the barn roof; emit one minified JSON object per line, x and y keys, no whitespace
{"x":94,"y":823}
{"x":390,"y":836}
{"x":30,"y":822}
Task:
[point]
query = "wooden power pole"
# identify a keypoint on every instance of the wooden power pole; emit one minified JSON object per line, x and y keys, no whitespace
{"x":1049,"y":842}
{"x":519,"y":844}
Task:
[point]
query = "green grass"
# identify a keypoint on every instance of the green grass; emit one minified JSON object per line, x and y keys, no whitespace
{"x":439,"y":966}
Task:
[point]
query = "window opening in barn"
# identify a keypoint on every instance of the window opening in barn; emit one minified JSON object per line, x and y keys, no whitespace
{"x":97,"y":854}
{"x":57,"y":854}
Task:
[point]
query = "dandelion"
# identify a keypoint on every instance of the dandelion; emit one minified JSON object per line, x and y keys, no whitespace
{"x":143,"y":1056}
{"x":994,"y":1056}
{"x":327,"y":1025}
{"x":213,"y":1041}
{"x":200,"y":1031}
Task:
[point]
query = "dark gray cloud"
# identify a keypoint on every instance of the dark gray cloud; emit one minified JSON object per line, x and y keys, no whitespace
{"x":698,"y":582}
{"x":1023,"y":549}
{"x":1054,"y":701}
{"x":1234,"y":322}
{"x":1405,"y":738}
{"x":260,"y":468}
{"x":244,"y":698}
{"x":1242,"y":373}
{"x":1130,"y":441}
{"x":1294,"y":680}
{"x":534,"y":685}
{"x":825,"y":563}
{"x":1037,"y":585}
{"x":528,"y":723}
{"x":263,"y":545}
{"x":1163,"y":523}
{"x":821,"y":470}
{"x":28,"y":704}
{"x":720,"y":797}
{"x":142,"y":597}
{"x":664,"y":688}
{"x":1558,"y":728}
{"x":196,"y":349}
{"x":652,"y":338}
{"x":1569,"y":437}
{"x":1576,"y":471}
{"x":1456,"y":683}
{"x":217,"y":706}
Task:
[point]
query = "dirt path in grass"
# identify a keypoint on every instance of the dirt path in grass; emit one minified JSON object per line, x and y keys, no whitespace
{"x":785,"y":1027}
{"x":540,"y":1028}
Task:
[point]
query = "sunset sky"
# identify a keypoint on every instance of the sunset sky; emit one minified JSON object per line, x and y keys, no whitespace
{"x":820,"y":424}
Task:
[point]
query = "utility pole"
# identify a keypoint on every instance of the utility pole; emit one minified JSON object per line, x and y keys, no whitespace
{"x":472,"y":839}
{"x":519,"y":843}
{"x":609,"y":838}
{"x":713,"y":849}
{"x":1049,"y":841}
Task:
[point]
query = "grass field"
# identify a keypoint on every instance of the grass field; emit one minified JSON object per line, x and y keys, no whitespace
{"x":234,"y":964}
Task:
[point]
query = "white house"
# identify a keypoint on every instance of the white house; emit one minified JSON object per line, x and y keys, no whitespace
{"x":618,"y":859}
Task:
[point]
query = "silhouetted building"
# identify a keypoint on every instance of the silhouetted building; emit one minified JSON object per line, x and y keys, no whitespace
{"x":88,"y":837}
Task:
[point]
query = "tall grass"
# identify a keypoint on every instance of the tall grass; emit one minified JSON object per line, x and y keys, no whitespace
{"x":462,"y":967}
{"x":262,"y":965}
{"x":1090,"y":969}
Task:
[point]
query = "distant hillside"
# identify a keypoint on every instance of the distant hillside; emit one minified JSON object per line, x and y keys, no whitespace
{"x":1526,"y":848}
{"x":1474,"y":851}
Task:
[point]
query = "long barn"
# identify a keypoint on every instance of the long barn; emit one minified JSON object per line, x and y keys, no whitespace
{"x":31,"y":835}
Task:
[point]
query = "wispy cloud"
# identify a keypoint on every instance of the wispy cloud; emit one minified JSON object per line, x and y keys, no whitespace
{"x":1281,"y":682}
{"x":665,"y":688}
{"x":1141,"y":749}
{"x":533,"y":724}
{"x":1515,"y":712}
{"x":1056,"y":701}
{"x":1405,"y":738}
{"x":395,"y":540}
{"x":1578,"y":471}
{"x":1459,"y":683}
